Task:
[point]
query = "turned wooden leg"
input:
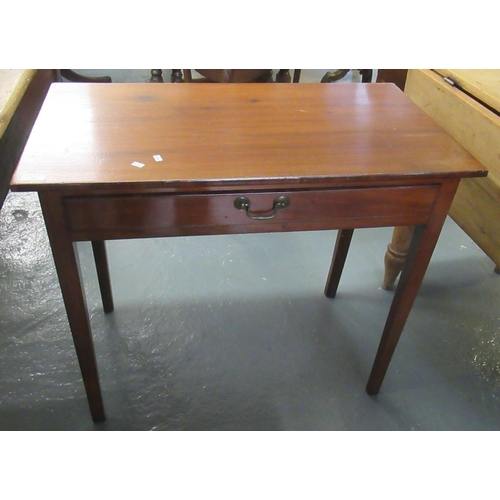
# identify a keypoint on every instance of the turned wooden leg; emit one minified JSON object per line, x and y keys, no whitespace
{"x":396,"y":254}
{"x":176,"y":76}
{"x":67,"y":266}
{"x":101,"y":263}
{"x":342,"y":244}
{"x":283,"y":76}
{"x":156,"y":76}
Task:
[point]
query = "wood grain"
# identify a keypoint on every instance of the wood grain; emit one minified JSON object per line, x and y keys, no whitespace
{"x":347,"y":156}
{"x":13,"y":85}
{"x":162,"y":215}
{"x":342,"y":244}
{"x":481,"y":83}
{"x":68,"y":270}
{"x":22,"y":93}
{"x":421,"y":248}
{"x":89,"y":134}
{"x":476,"y":207}
{"x":468,"y":121}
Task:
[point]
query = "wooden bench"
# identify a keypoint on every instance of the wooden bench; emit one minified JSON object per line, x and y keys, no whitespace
{"x":22,"y":92}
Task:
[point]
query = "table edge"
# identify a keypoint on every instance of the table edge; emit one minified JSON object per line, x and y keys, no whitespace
{"x":250,"y":183}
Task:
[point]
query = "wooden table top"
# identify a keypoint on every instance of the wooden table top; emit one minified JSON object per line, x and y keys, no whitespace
{"x":13,"y":85}
{"x":214,"y":134}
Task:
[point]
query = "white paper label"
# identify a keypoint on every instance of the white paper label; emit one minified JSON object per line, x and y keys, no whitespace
{"x":138,"y":164}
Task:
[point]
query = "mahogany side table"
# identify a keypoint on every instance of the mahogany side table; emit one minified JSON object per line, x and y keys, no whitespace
{"x":140,"y":160}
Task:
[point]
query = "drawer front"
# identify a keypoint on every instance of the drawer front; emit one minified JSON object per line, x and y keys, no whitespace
{"x":170,"y":214}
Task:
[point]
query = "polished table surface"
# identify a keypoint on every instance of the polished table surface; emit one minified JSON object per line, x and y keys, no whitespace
{"x":90,"y":134}
{"x":341,"y":156}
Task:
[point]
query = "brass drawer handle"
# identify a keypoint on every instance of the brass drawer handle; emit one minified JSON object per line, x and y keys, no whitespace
{"x":243,"y":203}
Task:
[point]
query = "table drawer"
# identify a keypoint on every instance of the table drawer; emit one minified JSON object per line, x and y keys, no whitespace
{"x":142,"y":215}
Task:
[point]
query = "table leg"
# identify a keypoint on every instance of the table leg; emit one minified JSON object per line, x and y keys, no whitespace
{"x":396,"y":254}
{"x":344,"y":237}
{"x":68,"y":270}
{"x":101,"y":263}
{"x":421,"y":248}
{"x":156,"y":76}
{"x":283,"y":76}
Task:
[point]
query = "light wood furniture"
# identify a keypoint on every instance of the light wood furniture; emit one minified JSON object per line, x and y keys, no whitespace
{"x":13,"y":85}
{"x":466,"y":103}
{"x":22,"y":92}
{"x":237,"y":158}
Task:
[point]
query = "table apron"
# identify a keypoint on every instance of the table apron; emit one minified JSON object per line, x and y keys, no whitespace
{"x":156,"y":215}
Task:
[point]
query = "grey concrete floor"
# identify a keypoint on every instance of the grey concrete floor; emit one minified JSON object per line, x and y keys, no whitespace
{"x":234,"y":333}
